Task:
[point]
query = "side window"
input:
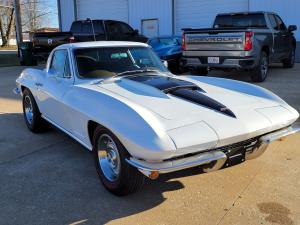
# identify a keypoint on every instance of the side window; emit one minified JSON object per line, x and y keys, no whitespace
{"x":113,"y":28}
{"x":125,"y":28}
{"x":60,"y":64}
{"x":280,"y":23}
{"x":273,"y":22}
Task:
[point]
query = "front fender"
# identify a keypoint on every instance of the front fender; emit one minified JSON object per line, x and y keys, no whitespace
{"x":138,"y":129}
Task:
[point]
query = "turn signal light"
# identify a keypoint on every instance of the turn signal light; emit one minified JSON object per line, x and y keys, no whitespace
{"x":72,"y":39}
{"x":183,"y":42}
{"x":248,"y":41}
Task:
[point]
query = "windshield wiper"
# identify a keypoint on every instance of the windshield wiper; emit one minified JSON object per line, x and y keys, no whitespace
{"x":129,"y":72}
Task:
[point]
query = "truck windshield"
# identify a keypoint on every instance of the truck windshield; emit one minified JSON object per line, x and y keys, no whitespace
{"x":240,"y":20}
{"x":109,"y":62}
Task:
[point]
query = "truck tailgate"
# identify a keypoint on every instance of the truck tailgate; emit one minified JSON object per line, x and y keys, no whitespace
{"x":49,"y":40}
{"x":215,"y":41}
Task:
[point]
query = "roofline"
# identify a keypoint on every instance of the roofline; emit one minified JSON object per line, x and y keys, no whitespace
{"x":245,"y":12}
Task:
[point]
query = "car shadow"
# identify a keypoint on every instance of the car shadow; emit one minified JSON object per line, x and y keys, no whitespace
{"x":56,"y":182}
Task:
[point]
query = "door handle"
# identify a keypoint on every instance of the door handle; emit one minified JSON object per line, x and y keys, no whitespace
{"x":39,"y":84}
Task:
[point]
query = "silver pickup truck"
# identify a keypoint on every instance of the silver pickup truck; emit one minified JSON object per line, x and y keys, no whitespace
{"x":244,"y":41}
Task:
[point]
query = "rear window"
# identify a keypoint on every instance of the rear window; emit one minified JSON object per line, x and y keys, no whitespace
{"x":240,"y":20}
{"x":87,"y":27}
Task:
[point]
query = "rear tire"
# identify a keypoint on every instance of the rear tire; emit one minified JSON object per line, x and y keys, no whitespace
{"x":290,"y":61}
{"x":260,"y":73}
{"x":117,"y":176}
{"x":200,"y":71}
{"x":32,"y":115}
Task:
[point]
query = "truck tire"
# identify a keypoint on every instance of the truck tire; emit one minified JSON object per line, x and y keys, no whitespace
{"x":290,"y":61}
{"x":200,"y":71}
{"x":117,"y":176}
{"x":260,"y":73}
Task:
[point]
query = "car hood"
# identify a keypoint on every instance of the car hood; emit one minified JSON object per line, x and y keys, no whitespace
{"x":178,"y":103}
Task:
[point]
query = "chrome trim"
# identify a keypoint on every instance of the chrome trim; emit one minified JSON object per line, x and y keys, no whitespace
{"x":210,"y":161}
{"x":180,"y":164}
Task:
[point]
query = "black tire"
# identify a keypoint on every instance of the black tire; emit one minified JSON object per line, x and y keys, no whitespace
{"x":200,"y":71}
{"x":128,"y":180}
{"x":290,"y":61}
{"x":260,"y":73}
{"x":33,"y":119}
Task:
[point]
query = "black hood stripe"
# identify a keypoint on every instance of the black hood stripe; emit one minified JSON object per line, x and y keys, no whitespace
{"x":183,"y":89}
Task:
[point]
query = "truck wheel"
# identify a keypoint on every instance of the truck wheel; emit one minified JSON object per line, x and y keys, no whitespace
{"x":290,"y":61}
{"x":200,"y":71}
{"x":115,"y":173}
{"x":32,"y":115}
{"x":259,"y":74}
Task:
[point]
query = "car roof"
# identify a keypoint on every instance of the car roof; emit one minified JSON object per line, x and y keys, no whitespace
{"x":102,"y":44}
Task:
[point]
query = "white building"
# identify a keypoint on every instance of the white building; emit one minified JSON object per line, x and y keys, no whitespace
{"x":166,"y":17}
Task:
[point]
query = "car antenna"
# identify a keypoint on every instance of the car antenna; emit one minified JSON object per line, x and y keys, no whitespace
{"x":91,"y":21}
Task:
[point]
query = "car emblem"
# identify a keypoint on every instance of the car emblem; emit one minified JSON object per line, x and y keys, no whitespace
{"x":50,"y":41}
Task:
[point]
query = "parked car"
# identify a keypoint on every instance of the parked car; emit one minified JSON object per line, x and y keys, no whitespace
{"x":119,"y":101}
{"x":168,"y":48}
{"x":244,"y":41}
{"x":83,"y":30}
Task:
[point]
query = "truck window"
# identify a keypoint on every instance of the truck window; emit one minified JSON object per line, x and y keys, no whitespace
{"x":240,"y":20}
{"x":273,"y":22}
{"x":98,"y":26}
{"x":114,"y":28}
{"x":281,"y":25}
{"x":76,"y":27}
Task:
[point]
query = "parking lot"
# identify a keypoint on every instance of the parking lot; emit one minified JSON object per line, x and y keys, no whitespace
{"x":50,"y":179}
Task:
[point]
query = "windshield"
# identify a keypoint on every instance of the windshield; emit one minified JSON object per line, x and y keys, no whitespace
{"x":109,"y":62}
{"x":240,"y":20}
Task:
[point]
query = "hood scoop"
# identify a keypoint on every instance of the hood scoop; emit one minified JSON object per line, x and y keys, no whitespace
{"x":183,"y":89}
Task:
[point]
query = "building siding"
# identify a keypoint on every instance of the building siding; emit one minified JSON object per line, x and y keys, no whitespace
{"x":67,"y":14}
{"x":201,"y":13}
{"x":103,"y":9}
{"x":151,"y":9}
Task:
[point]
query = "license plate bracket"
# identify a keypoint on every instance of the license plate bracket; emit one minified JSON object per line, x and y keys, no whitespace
{"x":213,"y":60}
{"x":235,"y":157}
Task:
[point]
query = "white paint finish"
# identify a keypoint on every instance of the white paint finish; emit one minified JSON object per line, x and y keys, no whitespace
{"x":201,"y":13}
{"x":102,"y":9}
{"x":151,"y":132}
{"x":287,"y":10}
{"x":151,"y":9}
{"x":67,"y":14}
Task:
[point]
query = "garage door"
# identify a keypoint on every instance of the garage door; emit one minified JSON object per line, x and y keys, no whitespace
{"x":201,"y":13}
{"x":103,"y":9}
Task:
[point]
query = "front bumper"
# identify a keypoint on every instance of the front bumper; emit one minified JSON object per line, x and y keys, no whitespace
{"x":213,"y":159}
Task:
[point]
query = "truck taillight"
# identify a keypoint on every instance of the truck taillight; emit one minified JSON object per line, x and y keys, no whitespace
{"x":72,"y":39}
{"x":183,"y":42}
{"x":248,"y":41}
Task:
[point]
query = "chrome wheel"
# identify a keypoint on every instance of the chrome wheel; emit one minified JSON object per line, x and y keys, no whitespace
{"x":109,"y":158}
{"x":264,"y":66}
{"x":28,"y":109}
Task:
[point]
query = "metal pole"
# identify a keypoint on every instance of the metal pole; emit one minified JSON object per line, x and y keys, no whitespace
{"x":18,"y":21}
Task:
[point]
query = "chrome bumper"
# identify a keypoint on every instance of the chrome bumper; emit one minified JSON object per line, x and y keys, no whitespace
{"x":211,"y":161}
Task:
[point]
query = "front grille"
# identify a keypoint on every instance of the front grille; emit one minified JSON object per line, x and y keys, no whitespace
{"x":247,"y":144}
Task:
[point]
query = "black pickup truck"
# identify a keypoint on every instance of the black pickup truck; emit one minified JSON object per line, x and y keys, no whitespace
{"x":82,"y":30}
{"x":244,"y":41}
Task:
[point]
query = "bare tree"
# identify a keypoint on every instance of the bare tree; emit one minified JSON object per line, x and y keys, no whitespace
{"x":7,"y":22}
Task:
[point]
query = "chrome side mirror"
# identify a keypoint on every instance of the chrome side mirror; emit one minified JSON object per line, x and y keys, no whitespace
{"x":165,"y":62}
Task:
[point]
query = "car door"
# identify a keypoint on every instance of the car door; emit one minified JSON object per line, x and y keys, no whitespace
{"x":277,"y":39}
{"x":284,"y":37}
{"x":58,"y":81}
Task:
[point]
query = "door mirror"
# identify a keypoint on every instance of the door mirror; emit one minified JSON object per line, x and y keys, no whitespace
{"x":165,"y":62}
{"x":292,"y":28}
{"x":135,"y":32}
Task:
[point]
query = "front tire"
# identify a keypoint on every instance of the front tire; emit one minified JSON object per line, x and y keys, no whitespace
{"x":32,"y":115}
{"x":260,"y":73}
{"x":115,"y":173}
{"x":290,"y":61}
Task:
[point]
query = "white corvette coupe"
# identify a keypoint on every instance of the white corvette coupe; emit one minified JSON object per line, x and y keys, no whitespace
{"x":119,"y":101}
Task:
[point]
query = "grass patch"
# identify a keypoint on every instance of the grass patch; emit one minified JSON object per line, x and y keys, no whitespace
{"x":12,"y":47}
